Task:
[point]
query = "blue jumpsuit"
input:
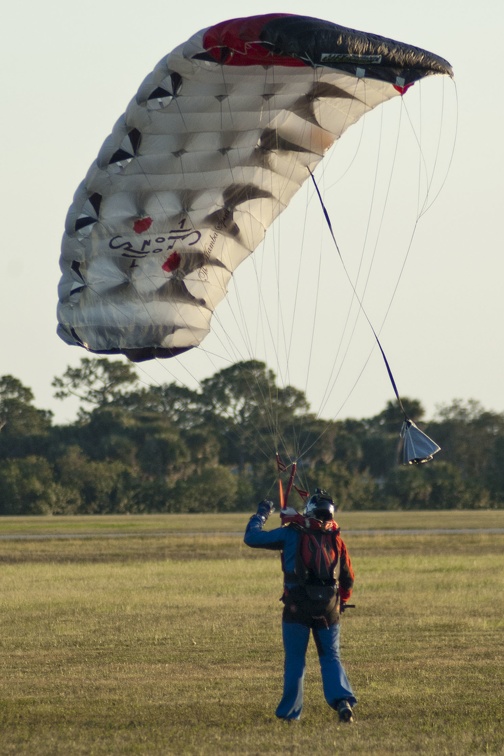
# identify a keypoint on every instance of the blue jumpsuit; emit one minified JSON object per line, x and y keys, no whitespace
{"x":296,"y":624}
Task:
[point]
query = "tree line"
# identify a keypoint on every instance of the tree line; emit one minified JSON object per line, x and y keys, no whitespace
{"x":168,"y":448}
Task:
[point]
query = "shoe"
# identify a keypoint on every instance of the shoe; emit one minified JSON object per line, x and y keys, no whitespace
{"x":345,"y":712}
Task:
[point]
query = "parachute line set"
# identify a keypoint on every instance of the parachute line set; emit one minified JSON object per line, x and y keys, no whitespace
{"x":211,"y":150}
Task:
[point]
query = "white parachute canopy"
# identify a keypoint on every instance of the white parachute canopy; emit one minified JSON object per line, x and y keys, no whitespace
{"x":216,"y":142}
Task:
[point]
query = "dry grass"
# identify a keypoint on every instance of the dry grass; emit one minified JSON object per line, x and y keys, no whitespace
{"x":128,"y":646}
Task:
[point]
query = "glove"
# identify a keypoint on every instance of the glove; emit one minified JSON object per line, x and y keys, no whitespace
{"x":264,"y":509}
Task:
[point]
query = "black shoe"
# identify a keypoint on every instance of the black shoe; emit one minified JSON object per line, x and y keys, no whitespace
{"x":345,"y":712}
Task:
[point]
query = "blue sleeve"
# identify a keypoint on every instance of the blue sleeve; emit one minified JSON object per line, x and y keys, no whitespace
{"x":258,"y":538}
{"x":284,"y":539}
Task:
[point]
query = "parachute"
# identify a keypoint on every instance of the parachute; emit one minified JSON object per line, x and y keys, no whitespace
{"x":216,"y":142}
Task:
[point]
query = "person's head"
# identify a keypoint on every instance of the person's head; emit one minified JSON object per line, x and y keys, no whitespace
{"x":320,"y":506}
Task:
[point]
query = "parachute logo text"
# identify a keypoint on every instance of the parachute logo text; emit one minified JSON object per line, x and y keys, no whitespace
{"x":174,"y":237}
{"x":203,"y":272}
{"x":214,"y":236}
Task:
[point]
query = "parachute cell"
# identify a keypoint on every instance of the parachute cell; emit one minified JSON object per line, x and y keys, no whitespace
{"x":218,"y":139}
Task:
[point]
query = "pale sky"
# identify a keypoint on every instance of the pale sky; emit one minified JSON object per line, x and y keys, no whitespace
{"x":68,"y":71}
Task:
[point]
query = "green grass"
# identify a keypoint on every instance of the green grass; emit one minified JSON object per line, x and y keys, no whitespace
{"x":169,"y":645}
{"x":232,"y":523}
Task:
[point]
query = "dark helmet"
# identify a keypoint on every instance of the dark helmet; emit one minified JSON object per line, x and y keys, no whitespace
{"x":320,"y":506}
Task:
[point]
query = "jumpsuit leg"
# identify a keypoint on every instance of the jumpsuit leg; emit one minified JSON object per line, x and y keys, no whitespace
{"x":334,"y":680}
{"x":295,"y":640}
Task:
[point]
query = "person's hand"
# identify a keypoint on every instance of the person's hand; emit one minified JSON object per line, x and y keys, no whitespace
{"x":264,"y":509}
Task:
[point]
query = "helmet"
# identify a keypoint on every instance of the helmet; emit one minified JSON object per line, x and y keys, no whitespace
{"x":320,"y":506}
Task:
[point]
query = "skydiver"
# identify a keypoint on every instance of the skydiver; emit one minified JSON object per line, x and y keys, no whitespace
{"x":318,"y":581}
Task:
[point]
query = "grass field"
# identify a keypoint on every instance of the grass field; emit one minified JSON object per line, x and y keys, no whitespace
{"x":156,"y":644}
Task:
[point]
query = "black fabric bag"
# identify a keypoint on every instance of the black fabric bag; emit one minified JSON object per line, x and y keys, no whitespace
{"x":320,"y":594}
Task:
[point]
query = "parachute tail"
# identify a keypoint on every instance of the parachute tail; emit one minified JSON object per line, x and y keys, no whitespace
{"x":417,"y":447}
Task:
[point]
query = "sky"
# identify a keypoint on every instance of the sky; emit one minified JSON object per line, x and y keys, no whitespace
{"x":68,"y":72}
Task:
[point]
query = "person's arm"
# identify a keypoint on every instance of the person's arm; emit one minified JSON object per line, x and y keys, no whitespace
{"x":258,"y":538}
{"x":346,"y":576}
